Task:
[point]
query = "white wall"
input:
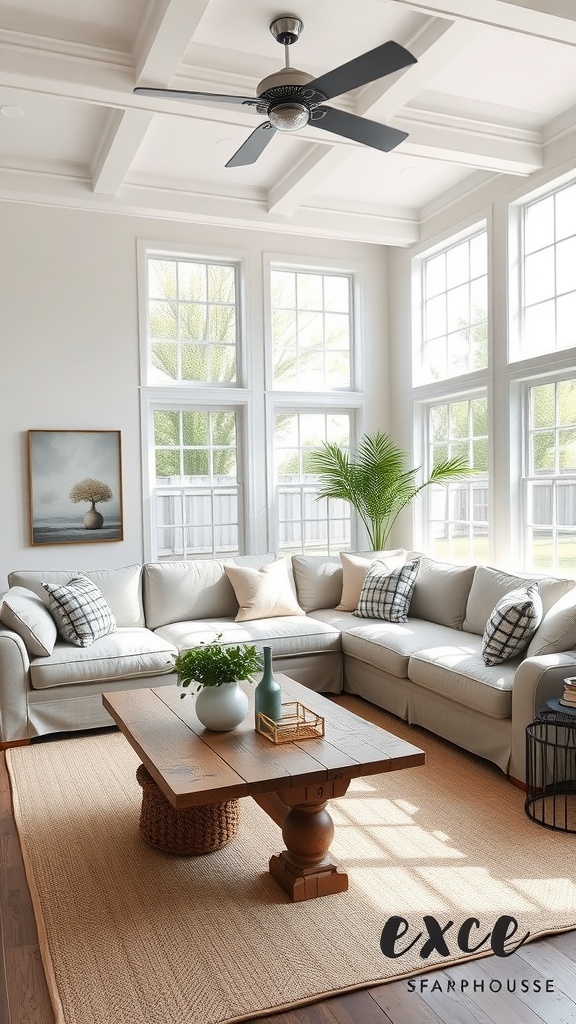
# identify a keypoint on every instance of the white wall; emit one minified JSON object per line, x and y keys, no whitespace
{"x":69,"y":348}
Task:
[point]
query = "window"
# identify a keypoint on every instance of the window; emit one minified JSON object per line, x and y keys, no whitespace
{"x":311,"y":330}
{"x":458,"y":512}
{"x":306,"y":525}
{"x":548,"y":262}
{"x":550,"y":481}
{"x":192,"y":321}
{"x":196,"y":493}
{"x":455,"y":310}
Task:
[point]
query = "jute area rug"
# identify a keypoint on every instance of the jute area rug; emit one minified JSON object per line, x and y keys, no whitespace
{"x":133,"y":936}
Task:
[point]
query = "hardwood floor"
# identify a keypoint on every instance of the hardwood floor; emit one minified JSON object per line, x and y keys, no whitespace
{"x":24,"y":997}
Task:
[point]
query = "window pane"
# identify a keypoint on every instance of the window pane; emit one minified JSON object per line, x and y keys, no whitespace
{"x":194,"y":362}
{"x":309,"y":291}
{"x":566,"y":266}
{"x":566,"y":390}
{"x":192,"y":281}
{"x":457,"y":264}
{"x":543,"y":405}
{"x":221,"y":284}
{"x":539,"y":276}
{"x":162,"y":279}
{"x":539,"y":328}
{"x":163,"y":320}
{"x":566,"y":212}
{"x":543,"y":452}
{"x":435,"y":275}
{"x":435,"y":317}
{"x":337,"y":294}
{"x":539,"y":224}
{"x":458,"y":308}
{"x":165,"y":359}
{"x":478,"y":255}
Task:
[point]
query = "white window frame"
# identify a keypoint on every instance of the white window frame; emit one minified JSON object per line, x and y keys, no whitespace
{"x":237,"y":258}
{"x":280,"y":402}
{"x":281,"y":261}
{"x":421,"y":421}
{"x":515,"y":352}
{"x":526,"y":478}
{"x":418,"y":304}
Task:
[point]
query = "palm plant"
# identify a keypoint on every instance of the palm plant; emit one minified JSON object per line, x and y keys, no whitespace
{"x":376,"y":482}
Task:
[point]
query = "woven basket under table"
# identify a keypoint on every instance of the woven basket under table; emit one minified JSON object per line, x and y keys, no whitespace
{"x":194,"y":830}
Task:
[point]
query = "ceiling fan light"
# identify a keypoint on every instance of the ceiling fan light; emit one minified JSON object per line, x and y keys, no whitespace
{"x":289,"y":116}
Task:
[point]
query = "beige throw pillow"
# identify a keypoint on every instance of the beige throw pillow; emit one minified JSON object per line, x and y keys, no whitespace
{"x":355,"y":565}
{"x":263,"y":593}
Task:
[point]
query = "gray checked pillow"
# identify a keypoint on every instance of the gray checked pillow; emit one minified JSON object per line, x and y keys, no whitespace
{"x":81,"y":613}
{"x":512,"y":624}
{"x":386,"y":595}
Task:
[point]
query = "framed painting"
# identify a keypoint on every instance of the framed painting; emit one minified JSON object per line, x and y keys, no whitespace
{"x":75,"y":486}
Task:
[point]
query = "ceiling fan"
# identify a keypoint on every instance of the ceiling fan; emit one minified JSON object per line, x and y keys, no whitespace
{"x":292,"y":99}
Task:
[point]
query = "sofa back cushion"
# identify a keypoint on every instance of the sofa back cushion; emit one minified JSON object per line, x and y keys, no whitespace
{"x":196,"y":589}
{"x":441,"y":592}
{"x":120,"y":588}
{"x":318,"y":581}
{"x":489,"y":585}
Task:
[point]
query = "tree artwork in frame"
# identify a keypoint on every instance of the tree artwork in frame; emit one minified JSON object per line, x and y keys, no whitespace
{"x":75,"y":486}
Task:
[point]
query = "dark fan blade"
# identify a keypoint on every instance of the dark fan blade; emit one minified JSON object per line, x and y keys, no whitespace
{"x":255,"y":145}
{"x":359,"y":129}
{"x":377,"y":63}
{"x":202,"y":97}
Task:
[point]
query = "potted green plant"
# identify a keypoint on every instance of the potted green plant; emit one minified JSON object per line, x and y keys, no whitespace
{"x":377,"y":482}
{"x":216,"y":669}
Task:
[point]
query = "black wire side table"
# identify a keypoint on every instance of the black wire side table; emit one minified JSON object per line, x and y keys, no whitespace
{"x":551,"y":768}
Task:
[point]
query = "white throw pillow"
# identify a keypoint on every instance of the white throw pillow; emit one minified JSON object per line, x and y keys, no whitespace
{"x":355,"y":565}
{"x":82,"y":615}
{"x":27,"y":615}
{"x":512,"y":624}
{"x":386,"y":595}
{"x":263,"y":593}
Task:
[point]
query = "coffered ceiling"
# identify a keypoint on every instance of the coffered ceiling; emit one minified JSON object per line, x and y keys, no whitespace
{"x":494,"y":84}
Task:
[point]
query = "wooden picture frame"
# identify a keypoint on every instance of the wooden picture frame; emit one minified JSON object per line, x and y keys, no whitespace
{"x":75,"y":481}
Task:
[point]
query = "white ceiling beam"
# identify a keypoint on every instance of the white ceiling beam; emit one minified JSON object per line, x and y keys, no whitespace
{"x":548,"y":19}
{"x":399,"y":228}
{"x":161,"y":46}
{"x":433,"y":47}
{"x":476,"y":148}
{"x":118,"y":145}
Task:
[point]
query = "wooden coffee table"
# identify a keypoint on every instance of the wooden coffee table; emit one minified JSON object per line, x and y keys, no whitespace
{"x":292,"y":782}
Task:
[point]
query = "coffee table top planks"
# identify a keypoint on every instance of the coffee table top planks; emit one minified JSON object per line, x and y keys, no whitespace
{"x":193,"y":766}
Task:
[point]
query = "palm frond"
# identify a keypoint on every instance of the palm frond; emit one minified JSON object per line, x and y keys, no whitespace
{"x":376,"y":481}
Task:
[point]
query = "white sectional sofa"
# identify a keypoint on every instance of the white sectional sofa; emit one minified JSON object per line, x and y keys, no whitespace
{"x":428,"y":670}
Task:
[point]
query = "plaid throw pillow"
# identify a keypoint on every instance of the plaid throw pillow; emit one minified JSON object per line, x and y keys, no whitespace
{"x":386,"y":595}
{"x":81,"y":613}
{"x":512,"y":624}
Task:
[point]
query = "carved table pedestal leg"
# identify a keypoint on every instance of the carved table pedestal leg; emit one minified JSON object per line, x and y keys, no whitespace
{"x":305,"y":868}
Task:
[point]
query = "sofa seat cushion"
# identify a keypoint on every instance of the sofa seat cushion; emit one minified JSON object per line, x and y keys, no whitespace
{"x":128,"y":653}
{"x":457,"y":671}
{"x":295,"y":634}
{"x":390,"y":645}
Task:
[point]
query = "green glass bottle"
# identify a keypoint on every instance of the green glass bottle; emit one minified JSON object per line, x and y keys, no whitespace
{"x":268,"y":693}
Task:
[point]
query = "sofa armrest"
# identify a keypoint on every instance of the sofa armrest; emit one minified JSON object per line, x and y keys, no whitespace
{"x":14,"y":686}
{"x":536,"y":681}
